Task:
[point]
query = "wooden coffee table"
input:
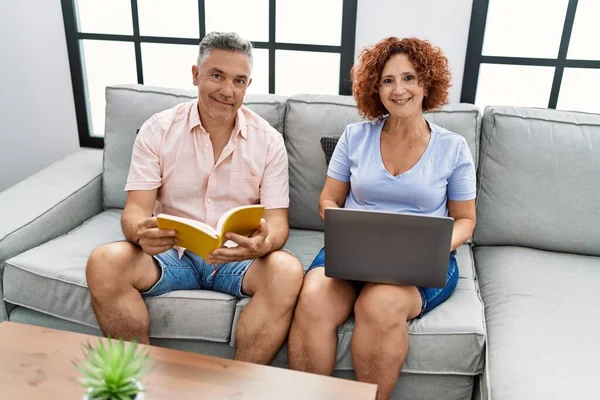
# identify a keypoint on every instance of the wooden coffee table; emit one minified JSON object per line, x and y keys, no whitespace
{"x":37,"y":363}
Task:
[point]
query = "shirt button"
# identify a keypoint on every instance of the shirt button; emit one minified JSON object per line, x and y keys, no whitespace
{"x":208,"y":200}
{"x":206,"y":145}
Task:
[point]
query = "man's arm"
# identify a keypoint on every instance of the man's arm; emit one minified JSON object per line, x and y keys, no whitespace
{"x":277,"y":222}
{"x":140,"y":228}
{"x":138,"y":207}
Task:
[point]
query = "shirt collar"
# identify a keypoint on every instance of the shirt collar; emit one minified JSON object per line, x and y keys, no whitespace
{"x":240,"y":127}
{"x":194,"y":117}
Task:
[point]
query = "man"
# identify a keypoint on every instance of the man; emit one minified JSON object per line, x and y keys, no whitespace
{"x":198,"y":160}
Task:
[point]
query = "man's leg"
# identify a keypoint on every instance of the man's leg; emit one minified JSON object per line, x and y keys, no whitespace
{"x":380,"y":339}
{"x":116,"y":274}
{"x":324,"y":304}
{"x":274,"y":283}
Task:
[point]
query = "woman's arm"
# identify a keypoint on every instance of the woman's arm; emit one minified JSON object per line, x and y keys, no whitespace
{"x":464,"y":215}
{"x":333,"y":195}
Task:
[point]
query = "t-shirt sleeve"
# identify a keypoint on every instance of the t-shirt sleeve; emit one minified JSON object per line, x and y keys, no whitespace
{"x":461,"y":184}
{"x":145,"y":171}
{"x":274,"y":187}
{"x":339,"y":166}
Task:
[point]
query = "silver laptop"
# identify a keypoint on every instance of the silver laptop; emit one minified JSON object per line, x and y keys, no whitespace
{"x":375,"y":246}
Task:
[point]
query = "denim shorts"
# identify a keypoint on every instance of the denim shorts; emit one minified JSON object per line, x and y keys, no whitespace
{"x":191,"y":272}
{"x":431,"y":297}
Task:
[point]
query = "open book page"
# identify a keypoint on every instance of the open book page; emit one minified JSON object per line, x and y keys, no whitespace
{"x":230,"y":244}
{"x":241,"y":219}
{"x":194,"y":236}
{"x":201,"y":226}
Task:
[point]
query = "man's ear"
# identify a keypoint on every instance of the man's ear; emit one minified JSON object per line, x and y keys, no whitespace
{"x":195,"y":75}
{"x":249,"y":82}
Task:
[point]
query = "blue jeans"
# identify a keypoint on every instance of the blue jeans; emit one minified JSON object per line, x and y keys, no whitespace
{"x":431,"y":297}
{"x":191,"y":272}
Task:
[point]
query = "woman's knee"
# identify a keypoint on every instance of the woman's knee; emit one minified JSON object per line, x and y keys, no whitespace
{"x":386,"y":306}
{"x":324,"y":301}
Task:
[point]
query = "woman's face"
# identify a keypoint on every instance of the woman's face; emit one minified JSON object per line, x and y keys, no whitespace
{"x":399,"y":87}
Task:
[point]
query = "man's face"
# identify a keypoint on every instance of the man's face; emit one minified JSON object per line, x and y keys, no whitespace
{"x":222,"y":79}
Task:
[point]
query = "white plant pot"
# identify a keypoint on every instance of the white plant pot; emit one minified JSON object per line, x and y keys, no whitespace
{"x":139,"y":396}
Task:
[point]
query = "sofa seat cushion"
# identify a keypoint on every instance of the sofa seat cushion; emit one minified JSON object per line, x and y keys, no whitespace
{"x":447,"y":340}
{"x":51,"y":279}
{"x":305,"y":245}
{"x":543,"y":318}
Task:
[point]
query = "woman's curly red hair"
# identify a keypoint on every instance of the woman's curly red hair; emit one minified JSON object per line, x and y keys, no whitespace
{"x":429,"y":62}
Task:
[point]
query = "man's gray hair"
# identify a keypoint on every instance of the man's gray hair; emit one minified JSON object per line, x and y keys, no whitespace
{"x":224,"y":41}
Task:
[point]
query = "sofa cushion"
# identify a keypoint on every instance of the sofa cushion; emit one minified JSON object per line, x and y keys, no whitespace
{"x":447,"y":340}
{"x":309,"y":117}
{"x":305,"y":245}
{"x":543,"y":318}
{"x":129,"y":106}
{"x":51,"y":279}
{"x":539,"y":180}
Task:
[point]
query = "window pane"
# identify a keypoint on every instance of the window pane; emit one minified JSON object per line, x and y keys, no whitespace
{"x":260,"y":72}
{"x":169,"y":65}
{"x":249,"y":19}
{"x":579,"y":90}
{"x":108,"y":16}
{"x":514,"y":85}
{"x":169,"y":18}
{"x":586,"y":31}
{"x":306,"y":72}
{"x":309,"y":22}
{"x":524,"y":28}
{"x":106,"y":63}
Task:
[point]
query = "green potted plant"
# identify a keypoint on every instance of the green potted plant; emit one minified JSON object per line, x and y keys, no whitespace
{"x":112,"y":370}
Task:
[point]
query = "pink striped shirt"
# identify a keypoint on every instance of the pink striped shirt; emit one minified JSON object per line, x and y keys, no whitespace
{"x":174,"y":153}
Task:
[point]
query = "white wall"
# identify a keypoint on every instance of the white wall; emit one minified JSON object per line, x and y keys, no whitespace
{"x":37,"y":112}
{"x":443,"y":22}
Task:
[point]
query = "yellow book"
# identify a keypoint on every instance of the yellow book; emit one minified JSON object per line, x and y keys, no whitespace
{"x":201,"y":238}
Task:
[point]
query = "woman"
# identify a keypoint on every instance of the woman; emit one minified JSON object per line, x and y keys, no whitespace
{"x":397,"y":162}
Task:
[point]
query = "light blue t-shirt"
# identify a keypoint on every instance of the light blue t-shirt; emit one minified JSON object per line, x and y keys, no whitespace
{"x":444,"y":172}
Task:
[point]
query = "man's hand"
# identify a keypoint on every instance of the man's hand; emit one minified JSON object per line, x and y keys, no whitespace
{"x":249,"y":248}
{"x":152,"y":239}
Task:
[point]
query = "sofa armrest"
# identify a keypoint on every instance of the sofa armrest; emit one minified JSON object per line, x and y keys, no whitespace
{"x":49,"y":204}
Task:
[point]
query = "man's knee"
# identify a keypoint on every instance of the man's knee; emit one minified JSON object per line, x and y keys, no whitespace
{"x":106,"y":265}
{"x":285,"y":278}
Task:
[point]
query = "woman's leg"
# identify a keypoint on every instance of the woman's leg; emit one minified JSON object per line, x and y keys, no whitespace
{"x":324,"y":304}
{"x":380,"y":339}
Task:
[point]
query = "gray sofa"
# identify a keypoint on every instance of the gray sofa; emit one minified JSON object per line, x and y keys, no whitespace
{"x":534,"y":261}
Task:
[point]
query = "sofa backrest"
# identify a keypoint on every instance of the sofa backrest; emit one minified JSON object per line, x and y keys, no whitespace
{"x":539,"y":180}
{"x":129,"y":106}
{"x":309,"y":117}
